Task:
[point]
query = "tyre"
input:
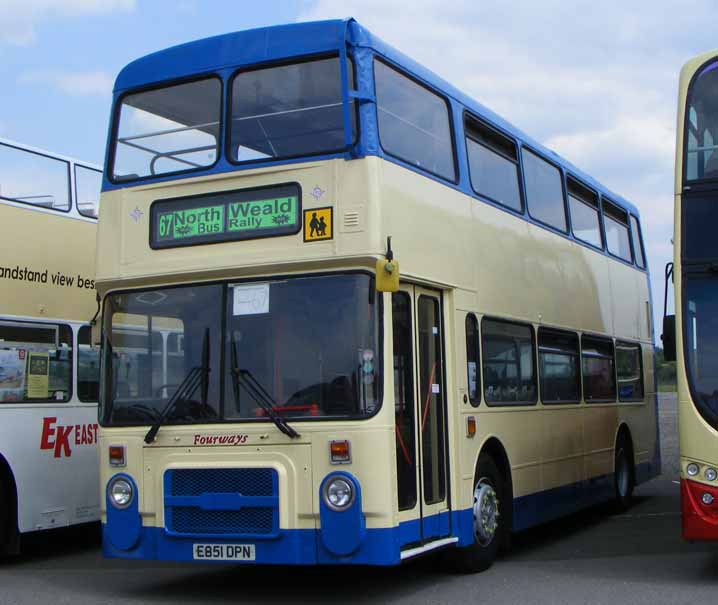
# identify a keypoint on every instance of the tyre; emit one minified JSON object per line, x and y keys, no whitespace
{"x":4,"y":516}
{"x":624,"y":479}
{"x":491,"y":510}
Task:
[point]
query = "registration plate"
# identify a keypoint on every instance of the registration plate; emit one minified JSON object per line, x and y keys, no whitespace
{"x":223,"y":552}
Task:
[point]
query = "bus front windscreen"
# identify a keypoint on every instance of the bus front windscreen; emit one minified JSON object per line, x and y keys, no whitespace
{"x":700,"y":325}
{"x":308,"y":347}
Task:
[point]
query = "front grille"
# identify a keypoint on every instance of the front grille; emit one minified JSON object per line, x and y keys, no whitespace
{"x":226,"y":502}
{"x":198,"y":481}
{"x":252,"y":520}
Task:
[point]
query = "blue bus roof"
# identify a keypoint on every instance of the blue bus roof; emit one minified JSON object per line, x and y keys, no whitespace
{"x":265,"y":44}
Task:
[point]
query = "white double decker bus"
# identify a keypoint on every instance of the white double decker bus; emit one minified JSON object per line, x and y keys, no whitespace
{"x":48,"y":370}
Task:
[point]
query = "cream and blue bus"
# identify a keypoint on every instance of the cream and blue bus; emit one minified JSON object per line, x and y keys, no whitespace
{"x":405,"y":326}
{"x":693,"y":332}
{"x":49,"y":372}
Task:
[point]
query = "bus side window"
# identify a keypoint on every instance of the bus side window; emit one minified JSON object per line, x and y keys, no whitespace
{"x":35,"y":362}
{"x":509,"y":367}
{"x":599,"y":376}
{"x":19,"y":182}
{"x":88,"y":367}
{"x":559,"y":366}
{"x":585,"y":221}
{"x":472,"y":359}
{"x":616,"y":222}
{"x":630,"y":371}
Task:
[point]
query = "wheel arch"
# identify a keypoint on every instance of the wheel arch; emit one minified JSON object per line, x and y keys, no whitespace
{"x":8,"y":478}
{"x":493,"y":447}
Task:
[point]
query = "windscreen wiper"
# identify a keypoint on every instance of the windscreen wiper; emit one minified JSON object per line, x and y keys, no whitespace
{"x":196,"y":377}
{"x":244,"y":378}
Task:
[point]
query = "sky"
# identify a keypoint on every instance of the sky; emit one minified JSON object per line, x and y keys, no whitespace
{"x":594,"y":81}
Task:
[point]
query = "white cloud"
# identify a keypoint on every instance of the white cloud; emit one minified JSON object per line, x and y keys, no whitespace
{"x":19,"y":18}
{"x":81,"y":83}
{"x":596,"y":81}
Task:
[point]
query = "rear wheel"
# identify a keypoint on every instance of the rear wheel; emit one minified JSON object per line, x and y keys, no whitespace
{"x":623,"y":475}
{"x":490,"y":518}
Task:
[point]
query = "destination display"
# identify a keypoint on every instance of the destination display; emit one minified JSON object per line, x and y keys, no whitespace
{"x":227,"y":216}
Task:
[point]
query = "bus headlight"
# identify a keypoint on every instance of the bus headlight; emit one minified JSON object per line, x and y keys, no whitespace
{"x":711,"y":474}
{"x":692,"y":469}
{"x":120,"y":492}
{"x":338,"y":493}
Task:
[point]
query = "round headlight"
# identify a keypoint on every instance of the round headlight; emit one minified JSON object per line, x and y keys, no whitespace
{"x":692,"y":469}
{"x":711,"y":474}
{"x":707,"y":498}
{"x":338,"y":493}
{"x":120,"y":492}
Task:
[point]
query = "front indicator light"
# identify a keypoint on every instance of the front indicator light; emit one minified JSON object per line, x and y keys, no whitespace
{"x":120,"y":493}
{"x":711,"y":474}
{"x":338,"y":493}
{"x":692,"y":469}
{"x":707,"y":499}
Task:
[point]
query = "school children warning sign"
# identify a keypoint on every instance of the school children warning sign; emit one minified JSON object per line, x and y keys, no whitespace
{"x":318,"y":224}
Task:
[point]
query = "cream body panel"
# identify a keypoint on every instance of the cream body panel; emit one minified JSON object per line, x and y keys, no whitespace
{"x":485,"y":260}
{"x":51,"y":244}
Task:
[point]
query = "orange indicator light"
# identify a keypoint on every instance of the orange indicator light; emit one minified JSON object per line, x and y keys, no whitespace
{"x":117,"y":455}
{"x":470,"y":426}
{"x":340,"y":452}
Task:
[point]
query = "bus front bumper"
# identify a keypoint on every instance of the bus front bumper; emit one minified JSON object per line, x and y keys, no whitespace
{"x":700,"y":519}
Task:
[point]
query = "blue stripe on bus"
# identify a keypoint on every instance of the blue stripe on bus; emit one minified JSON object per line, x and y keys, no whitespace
{"x":380,"y":546}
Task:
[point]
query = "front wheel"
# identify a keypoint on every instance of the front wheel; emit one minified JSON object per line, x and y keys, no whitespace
{"x":490,"y":519}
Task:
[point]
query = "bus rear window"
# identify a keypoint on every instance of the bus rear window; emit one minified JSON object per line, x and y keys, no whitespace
{"x":288,"y":111}
{"x":168,"y":130}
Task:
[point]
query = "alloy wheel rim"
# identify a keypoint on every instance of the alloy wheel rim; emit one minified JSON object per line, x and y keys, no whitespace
{"x":486,"y":512}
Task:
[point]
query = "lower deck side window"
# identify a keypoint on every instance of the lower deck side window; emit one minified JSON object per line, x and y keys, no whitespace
{"x":35,"y":362}
{"x":509,"y":369}
{"x":630,"y":371}
{"x":599,"y":376}
{"x":559,"y":366}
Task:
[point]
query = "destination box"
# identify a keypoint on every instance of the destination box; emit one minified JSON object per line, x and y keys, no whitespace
{"x":226,"y":216}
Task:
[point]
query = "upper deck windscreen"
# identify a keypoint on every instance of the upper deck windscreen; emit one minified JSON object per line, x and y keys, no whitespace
{"x":168,"y":130}
{"x":288,"y":111}
{"x":702,"y":125}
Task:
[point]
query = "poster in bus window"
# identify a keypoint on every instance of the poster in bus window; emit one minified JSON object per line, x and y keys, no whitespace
{"x":38,"y":375}
{"x":12,"y":374}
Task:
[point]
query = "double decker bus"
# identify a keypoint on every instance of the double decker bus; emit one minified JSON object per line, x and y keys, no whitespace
{"x":405,"y":325}
{"x":49,"y":372}
{"x":691,"y":336}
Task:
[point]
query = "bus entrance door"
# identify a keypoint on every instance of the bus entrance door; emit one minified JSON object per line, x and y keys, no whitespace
{"x":420,"y":412}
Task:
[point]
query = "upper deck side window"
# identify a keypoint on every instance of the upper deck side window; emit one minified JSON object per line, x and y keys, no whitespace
{"x":617,"y":238}
{"x":288,"y":110}
{"x":88,"y":183}
{"x":414,"y":123}
{"x":544,"y":191}
{"x":585,"y":218}
{"x":493,"y":164}
{"x":33,"y":178}
{"x":167,"y":130}
{"x":637,"y":242}
{"x":701,"y":158}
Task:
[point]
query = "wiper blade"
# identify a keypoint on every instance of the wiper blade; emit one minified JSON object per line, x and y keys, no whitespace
{"x":196,"y":377}
{"x":257,"y":392}
{"x":184,"y":391}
